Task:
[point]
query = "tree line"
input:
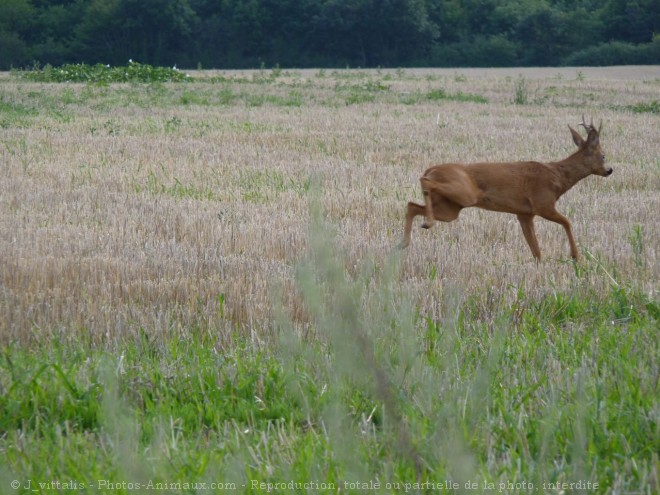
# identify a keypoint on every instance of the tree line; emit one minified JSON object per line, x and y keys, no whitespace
{"x":329,"y":33}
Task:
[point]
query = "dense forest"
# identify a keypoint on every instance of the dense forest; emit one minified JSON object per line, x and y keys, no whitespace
{"x":329,"y":33}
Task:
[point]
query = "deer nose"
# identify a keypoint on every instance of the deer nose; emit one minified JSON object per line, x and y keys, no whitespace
{"x":609,"y":171}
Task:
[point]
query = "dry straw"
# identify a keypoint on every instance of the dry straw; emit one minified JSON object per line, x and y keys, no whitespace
{"x":127,"y":207}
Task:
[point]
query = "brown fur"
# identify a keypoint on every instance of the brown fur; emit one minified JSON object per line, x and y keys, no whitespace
{"x":525,"y":189}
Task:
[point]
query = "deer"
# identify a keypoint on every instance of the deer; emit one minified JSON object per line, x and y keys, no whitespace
{"x":526,"y":189}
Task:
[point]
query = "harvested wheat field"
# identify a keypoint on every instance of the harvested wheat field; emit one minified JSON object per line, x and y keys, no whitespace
{"x":200,"y":282}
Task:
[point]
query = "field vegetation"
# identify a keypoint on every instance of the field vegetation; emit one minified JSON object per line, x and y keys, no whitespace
{"x":200,"y":288}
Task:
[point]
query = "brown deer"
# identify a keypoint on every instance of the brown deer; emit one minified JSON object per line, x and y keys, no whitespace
{"x":525,"y":189}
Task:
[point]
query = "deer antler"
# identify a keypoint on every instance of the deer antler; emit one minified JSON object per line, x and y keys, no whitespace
{"x":589,"y":127}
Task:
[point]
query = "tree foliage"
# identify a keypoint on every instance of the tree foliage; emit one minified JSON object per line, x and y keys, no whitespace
{"x":328,"y":33}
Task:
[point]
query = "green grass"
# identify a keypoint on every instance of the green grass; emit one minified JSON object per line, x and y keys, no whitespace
{"x":557,"y":389}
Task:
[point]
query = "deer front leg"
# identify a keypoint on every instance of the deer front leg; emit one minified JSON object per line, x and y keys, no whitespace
{"x":413,"y":210}
{"x":555,"y":216}
{"x":527,"y":224}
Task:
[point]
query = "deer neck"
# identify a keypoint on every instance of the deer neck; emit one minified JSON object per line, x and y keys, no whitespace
{"x":571,"y":170}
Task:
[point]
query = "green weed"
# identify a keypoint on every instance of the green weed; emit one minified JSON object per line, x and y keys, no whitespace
{"x":14,"y":114}
{"x":441,"y":94}
{"x":374,"y":392}
{"x":521,"y":91}
{"x":292,"y":99}
{"x":646,"y":107}
{"x":262,"y":186}
{"x":366,"y":92}
{"x":636,"y":239}
{"x":99,"y":73}
{"x":156,"y":185}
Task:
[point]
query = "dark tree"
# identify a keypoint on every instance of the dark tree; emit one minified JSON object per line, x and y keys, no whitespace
{"x":328,"y":33}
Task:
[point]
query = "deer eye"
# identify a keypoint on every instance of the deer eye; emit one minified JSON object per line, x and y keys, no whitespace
{"x":602,"y":156}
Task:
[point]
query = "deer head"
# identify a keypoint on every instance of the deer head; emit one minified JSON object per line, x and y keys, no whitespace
{"x":592,"y":156}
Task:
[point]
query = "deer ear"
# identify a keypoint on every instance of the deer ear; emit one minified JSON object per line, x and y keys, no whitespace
{"x":577,"y":139}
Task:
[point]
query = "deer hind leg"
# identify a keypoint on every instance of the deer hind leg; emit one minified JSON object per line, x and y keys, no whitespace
{"x":555,"y":216}
{"x":444,"y":201}
{"x":527,"y":224}
{"x":427,"y":187}
{"x":413,"y":210}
